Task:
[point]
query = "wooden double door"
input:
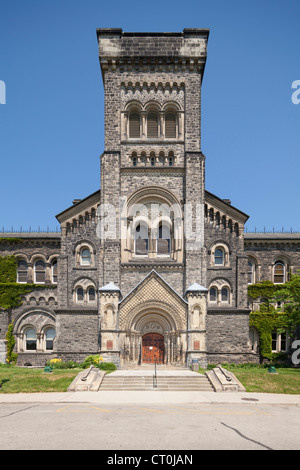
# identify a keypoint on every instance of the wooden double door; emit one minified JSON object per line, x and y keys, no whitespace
{"x":153,"y":348}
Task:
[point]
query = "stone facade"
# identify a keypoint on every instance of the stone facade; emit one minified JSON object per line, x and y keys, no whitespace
{"x":152,"y":254}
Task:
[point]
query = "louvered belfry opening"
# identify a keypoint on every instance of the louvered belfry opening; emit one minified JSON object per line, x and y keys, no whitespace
{"x":170,"y":126}
{"x":152,"y":126}
{"x":134,"y":126}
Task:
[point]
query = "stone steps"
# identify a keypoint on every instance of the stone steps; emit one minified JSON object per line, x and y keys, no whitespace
{"x":164,"y":383}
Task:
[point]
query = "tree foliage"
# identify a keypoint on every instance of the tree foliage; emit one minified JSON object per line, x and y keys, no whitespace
{"x":289,"y":294}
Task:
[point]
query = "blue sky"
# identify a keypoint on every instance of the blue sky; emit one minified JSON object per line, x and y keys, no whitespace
{"x":52,"y":130}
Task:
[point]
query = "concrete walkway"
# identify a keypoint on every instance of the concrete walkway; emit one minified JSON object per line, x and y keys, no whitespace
{"x":155,"y":396}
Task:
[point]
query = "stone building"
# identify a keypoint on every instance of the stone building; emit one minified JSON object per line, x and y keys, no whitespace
{"x":152,"y":266}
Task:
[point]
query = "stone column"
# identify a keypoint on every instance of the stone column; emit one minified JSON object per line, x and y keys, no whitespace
{"x":197,"y":309}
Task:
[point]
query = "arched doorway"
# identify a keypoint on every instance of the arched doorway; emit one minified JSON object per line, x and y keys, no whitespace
{"x":153,"y":348}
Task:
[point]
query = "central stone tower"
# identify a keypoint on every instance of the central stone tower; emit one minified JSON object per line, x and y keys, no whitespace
{"x":152,"y":190}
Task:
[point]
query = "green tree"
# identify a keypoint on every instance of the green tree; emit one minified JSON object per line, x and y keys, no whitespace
{"x":289,"y":293}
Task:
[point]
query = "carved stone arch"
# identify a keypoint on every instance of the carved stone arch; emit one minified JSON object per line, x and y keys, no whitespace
{"x":152,"y":106}
{"x":134,"y":105}
{"x":33,"y":317}
{"x":85,"y":241}
{"x":156,"y":192}
{"x":221,"y":282}
{"x":84,"y":281}
{"x":38,"y":256}
{"x":150,"y":308}
{"x":19,"y":256}
{"x":171,"y":106}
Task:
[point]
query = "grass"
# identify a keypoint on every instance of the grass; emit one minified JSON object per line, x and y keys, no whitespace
{"x":259,"y":380}
{"x":23,"y":380}
{"x":254,"y":379}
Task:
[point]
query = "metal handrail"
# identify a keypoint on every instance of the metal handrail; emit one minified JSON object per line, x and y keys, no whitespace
{"x":155,"y":375}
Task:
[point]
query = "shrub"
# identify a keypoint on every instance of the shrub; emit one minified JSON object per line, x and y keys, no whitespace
{"x":92,"y":360}
{"x":60,"y":364}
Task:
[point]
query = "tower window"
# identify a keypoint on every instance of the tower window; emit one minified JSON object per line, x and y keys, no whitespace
{"x":152,"y":126}
{"x":134,"y":126}
{"x":170,"y":126}
{"x":141,"y":240}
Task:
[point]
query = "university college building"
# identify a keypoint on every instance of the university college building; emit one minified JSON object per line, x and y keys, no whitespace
{"x":152,"y":266}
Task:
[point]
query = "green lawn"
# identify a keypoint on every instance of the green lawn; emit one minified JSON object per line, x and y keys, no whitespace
{"x":18,"y":379}
{"x":287,"y":380}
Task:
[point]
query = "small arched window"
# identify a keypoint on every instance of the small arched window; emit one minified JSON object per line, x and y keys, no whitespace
{"x":30,"y":339}
{"x":79,"y":294}
{"x":39,"y":272}
{"x":91,"y":294}
{"x":170,"y":126}
{"x":134,"y":126}
{"x":22,"y":273}
{"x":134,"y":161}
{"x":54,"y":272}
{"x":279,"y":273}
{"x":224,"y":294}
{"x":141,"y":240}
{"x":49,"y":339}
{"x":250,"y":272}
{"x":219,"y":256}
{"x":152,"y":126}
{"x":164,"y":240}
{"x":85,"y":257}
{"x":213,"y":294}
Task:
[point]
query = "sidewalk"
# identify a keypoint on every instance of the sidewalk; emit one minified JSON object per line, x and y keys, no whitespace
{"x":152,"y":397}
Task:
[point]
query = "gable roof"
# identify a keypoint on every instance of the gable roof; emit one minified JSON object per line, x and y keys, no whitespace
{"x":151,"y":274}
{"x":79,"y":206}
{"x":225,"y":207}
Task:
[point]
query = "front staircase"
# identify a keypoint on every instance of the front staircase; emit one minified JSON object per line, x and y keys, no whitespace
{"x":161,"y":383}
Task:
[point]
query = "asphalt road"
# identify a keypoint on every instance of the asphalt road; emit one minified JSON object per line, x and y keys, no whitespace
{"x":181,"y":427}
